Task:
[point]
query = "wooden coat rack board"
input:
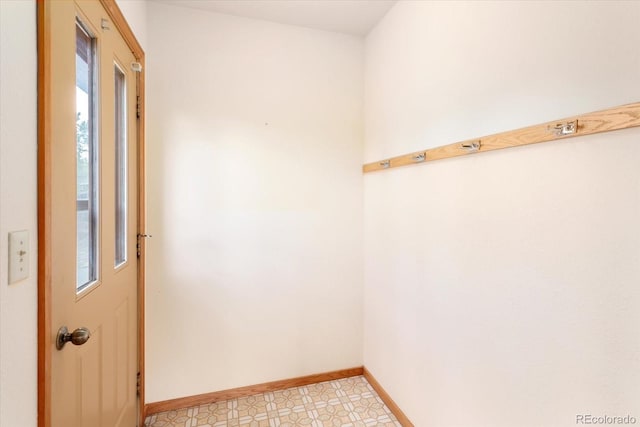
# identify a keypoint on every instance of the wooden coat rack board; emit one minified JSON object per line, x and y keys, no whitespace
{"x":622,"y":117}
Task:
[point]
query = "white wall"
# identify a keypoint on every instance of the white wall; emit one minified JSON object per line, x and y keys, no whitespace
{"x":255,"y":201}
{"x":18,"y":204}
{"x":502,"y":289}
{"x":135,"y":12}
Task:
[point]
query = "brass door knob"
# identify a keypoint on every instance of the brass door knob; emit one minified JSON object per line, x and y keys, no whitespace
{"x":77,"y":337}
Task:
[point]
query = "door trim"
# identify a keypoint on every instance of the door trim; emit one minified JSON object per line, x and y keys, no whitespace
{"x":44,"y":205}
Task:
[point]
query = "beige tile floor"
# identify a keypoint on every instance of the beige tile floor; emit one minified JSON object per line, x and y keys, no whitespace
{"x":349,"y":402}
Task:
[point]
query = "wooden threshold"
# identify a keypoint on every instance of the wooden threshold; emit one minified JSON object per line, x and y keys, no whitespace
{"x":402,"y":418}
{"x":234,"y":393}
{"x":616,"y":118}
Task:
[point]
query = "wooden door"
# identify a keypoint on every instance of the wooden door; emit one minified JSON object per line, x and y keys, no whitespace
{"x":93,"y":211}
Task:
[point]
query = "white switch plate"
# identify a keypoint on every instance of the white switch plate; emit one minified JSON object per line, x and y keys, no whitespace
{"x":18,"y":256}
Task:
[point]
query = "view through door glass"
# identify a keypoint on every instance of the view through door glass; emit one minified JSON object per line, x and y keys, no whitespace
{"x":121,"y":165}
{"x":86,"y":163}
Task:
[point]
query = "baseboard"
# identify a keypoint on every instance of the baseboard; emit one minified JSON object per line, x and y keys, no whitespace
{"x":402,"y":418}
{"x":234,"y":393}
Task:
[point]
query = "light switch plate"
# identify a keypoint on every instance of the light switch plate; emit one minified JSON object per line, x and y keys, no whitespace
{"x":18,"y":256}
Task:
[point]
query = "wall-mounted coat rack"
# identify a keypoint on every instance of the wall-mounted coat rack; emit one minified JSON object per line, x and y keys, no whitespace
{"x":622,"y":117}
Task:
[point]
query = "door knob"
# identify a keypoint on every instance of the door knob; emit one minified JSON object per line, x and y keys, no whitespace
{"x":77,"y":337}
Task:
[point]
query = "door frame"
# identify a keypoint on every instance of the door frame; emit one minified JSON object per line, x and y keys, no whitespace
{"x":45,"y":338}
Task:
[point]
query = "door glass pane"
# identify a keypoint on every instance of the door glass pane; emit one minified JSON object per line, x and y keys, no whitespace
{"x":86,"y":160}
{"x":121,"y":166}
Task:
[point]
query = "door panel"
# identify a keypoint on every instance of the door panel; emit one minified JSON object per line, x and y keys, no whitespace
{"x":93,"y":384}
{"x":89,"y":395}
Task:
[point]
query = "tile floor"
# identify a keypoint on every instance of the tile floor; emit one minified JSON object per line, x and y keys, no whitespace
{"x":349,"y":402}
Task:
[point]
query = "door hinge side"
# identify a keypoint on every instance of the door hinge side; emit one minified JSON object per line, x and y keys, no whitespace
{"x":138,"y":106}
{"x":138,"y":384}
{"x":139,"y":242}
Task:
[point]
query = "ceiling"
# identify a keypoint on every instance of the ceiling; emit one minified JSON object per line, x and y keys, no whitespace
{"x":356,"y":17}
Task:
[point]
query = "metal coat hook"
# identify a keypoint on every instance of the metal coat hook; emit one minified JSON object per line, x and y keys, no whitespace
{"x":471,"y":146}
{"x":564,"y":128}
{"x":385,"y":164}
{"x":419,"y":157}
